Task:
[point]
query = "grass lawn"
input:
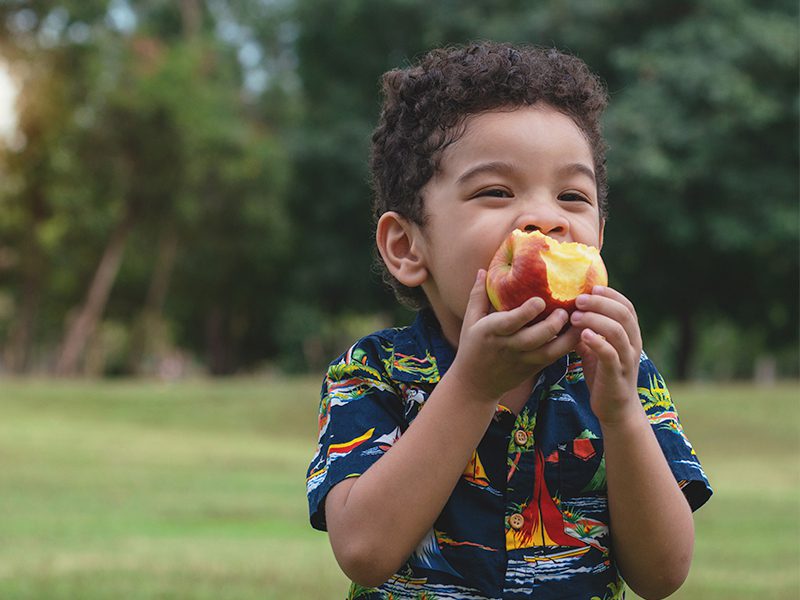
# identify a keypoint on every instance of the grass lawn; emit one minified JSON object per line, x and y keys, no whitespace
{"x":144,"y":490}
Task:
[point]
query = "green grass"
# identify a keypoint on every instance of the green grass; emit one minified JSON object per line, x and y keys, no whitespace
{"x":143,"y":490}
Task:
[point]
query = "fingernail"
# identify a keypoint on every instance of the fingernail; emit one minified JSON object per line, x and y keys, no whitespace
{"x":581,"y":300}
{"x":577,"y":316}
{"x":538,"y":302}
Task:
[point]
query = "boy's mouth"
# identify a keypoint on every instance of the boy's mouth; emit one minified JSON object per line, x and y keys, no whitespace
{"x":529,"y":264}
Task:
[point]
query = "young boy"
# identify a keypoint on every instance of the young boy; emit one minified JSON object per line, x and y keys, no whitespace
{"x":479,"y":454}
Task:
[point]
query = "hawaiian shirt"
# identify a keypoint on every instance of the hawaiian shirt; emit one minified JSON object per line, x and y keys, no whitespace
{"x":529,"y":516}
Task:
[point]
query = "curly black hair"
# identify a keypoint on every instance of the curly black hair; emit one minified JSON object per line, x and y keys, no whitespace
{"x":425,"y":107}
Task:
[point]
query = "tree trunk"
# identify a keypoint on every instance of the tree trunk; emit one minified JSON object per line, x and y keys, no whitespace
{"x":218,"y":343}
{"x":80,"y":330}
{"x":687,"y":341}
{"x":17,"y":352}
{"x":148,"y":332}
{"x":191,"y":17}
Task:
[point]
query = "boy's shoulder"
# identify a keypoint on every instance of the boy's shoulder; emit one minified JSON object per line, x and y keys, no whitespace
{"x":370,"y":355}
{"x":404,"y":354}
{"x":371,"y":346}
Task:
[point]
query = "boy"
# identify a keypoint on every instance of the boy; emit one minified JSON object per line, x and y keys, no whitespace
{"x":476,"y":454}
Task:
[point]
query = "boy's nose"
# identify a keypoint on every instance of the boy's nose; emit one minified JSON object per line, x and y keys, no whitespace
{"x":552,"y":225}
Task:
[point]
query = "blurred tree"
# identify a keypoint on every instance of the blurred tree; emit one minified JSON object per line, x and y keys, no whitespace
{"x":133,"y":150}
{"x":26,"y":208}
{"x":342,"y":49}
{"x":704,"y":160}
{"x":52,"y":76}
{"x":225,"y":144}
{"x":703,"y":100}
{"x":158,"y":137}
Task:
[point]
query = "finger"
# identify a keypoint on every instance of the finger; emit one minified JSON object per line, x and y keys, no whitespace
{"x":605,"y":305}
{"x":511,"y":321}
{"x":562,"y":344}
{"x":611,"y":293}
{"x":599,"y":345}
{"x":478,"y":302}
{"x":602,"y":324}
{"x":613,"y":309}
{"x":581,"y":348}
{"x":536,"y":335}
{"x":613,"y":331}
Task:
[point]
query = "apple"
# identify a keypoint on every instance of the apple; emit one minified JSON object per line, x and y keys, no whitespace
{"x":529,"y":263}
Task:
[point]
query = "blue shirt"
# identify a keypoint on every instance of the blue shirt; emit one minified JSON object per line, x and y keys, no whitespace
{"x":529,"y":516}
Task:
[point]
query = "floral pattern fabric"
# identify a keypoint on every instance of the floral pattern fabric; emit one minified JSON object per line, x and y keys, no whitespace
{"x":529,"y":516}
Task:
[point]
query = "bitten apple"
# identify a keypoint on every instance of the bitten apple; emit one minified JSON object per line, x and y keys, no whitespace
{"x":529,"y":264}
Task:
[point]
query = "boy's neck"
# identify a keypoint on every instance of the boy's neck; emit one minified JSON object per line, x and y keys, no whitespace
{"x":451,"y":329}
{"x":516,"y":398}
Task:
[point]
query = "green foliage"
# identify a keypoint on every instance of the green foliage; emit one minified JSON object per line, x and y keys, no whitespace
{"x":149,"y":125}
{"x":707,"y":169}
{"x":702,"y":162}
{"x":234,"y":136}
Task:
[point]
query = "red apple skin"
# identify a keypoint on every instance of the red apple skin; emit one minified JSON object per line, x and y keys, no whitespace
{"x":510,"y":285}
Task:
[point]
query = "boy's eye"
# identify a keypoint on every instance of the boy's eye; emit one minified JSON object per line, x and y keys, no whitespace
{"x":574,"y":197}
{"x":494,"y":193}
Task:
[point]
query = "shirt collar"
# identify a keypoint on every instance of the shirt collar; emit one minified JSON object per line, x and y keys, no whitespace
{"x":422,"y":354}
{"x":553,"y":373}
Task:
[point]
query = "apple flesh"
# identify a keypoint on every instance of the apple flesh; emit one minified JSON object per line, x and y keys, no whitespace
{"x":530,"y":264}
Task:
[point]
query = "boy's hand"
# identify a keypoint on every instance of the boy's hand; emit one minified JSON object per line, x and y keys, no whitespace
{"x":497,"y":351}
{"x":610,"y":346}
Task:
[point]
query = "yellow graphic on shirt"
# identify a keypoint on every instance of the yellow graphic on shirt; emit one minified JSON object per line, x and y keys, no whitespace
{"x":541,"y":522}
{"x":345,"y":447}
{"x":424,"y":369}
{"x":475,"y":473}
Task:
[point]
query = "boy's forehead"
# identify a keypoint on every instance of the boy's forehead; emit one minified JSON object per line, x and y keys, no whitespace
{"x":495,"y":139}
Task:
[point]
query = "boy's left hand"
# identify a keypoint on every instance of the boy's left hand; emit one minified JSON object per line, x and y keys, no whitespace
{"x":610,"y":346}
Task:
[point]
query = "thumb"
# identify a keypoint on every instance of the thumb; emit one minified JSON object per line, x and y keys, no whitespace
{"x":478,"y":303}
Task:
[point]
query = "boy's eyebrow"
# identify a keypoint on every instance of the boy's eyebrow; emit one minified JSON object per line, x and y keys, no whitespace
{"x":497,"y":166}
{"x":578,"y":168}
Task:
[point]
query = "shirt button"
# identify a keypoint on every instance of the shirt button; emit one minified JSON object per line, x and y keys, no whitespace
{"x":516,"y":521}
{"x":521,"y":437}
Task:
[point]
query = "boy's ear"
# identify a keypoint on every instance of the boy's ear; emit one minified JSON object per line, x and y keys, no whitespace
{"x":399,"y":243}
{"x":602,"y":231}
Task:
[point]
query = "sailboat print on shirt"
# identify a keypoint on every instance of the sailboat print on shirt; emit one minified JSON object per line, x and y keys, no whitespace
{"x":429,"y":556}
{"x":475,"y":474}
{"x":543,"y":523}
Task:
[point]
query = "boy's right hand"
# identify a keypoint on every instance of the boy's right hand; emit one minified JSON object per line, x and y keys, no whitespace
{"x":497,"y":351}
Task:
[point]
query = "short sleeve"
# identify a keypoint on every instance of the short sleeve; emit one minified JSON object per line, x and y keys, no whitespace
{"x":360,"y":417}
{"x":663,"y":417}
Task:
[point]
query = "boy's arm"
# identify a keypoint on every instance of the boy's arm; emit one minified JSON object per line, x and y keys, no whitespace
{"x":375,"y":521}
{"x":651,"y":522}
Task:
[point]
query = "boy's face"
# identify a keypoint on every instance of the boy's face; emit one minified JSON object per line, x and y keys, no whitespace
{"x":527,"y":168}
